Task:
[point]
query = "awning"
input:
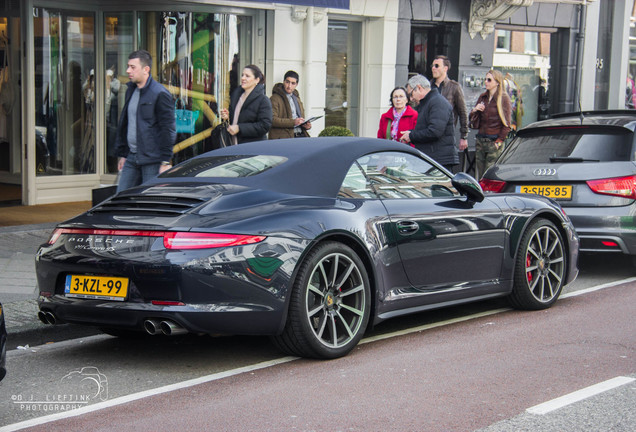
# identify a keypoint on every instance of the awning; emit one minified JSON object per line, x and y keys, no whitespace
{"x":338,"y":4}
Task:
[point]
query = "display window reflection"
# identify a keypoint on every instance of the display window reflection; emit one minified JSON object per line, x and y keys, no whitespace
{"x":64,"y":48}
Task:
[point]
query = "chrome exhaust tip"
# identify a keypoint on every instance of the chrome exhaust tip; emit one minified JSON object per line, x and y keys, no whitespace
{"x":50,"y":318}
{"x":172,"y":329}
{"x":152,"y":327}
{"x":42,"y":317}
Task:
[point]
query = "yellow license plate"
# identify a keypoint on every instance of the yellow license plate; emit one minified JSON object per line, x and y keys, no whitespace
{"x":550,"y":191}
{"x":96,"y":287}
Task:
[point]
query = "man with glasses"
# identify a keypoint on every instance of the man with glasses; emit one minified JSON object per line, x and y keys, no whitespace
{"x":434,"y":132}
{"x":287,"y":109}
{"x":452,"y":91}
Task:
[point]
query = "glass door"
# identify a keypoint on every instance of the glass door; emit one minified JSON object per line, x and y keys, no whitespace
{"x":64,"y":48}
{"x":343,"y":75}
{"x":10,"y":105}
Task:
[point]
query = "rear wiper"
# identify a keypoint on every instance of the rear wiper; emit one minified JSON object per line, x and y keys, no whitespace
{"x":571,"y":159}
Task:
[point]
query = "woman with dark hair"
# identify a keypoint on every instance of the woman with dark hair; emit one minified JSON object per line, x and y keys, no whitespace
{"x":399,"y":118}
{"x":250,"y":112}
{"x":491,"y":116}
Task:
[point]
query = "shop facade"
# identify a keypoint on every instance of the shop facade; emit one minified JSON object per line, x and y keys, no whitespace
{"x":63,"y":68}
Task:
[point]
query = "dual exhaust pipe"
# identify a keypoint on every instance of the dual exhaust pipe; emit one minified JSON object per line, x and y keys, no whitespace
{"x":152,"y":327}
{"x":47,"y":317}
{"x":168,"y":328}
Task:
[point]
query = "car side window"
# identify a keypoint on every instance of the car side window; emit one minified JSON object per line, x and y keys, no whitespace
{"x":396,"y":175}
{"x":356,"y":185}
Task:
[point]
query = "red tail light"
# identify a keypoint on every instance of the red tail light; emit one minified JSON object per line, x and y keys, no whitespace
{"x":190,"y":240}
{"x":171,"y":239}
{"x":619,"y":186}
{"x":489,"y":185}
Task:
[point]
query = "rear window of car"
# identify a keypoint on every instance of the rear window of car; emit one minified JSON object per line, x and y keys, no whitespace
{"x":575,"y":145}
{"x":225,"y":166}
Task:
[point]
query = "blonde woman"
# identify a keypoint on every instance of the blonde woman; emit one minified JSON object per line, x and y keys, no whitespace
{"x":491,"y":116}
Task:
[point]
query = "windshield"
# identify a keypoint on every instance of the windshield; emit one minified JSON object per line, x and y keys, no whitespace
{"x":569,"y":145}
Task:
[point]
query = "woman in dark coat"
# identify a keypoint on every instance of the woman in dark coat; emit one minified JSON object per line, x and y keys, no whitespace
{"x":250,"y":112}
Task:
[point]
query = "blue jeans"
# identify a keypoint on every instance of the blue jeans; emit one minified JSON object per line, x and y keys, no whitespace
{"x":133,"y":174}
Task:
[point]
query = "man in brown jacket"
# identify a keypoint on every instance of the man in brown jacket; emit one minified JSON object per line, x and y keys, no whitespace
{"x":452,"y":91}
{"x":288,"y":112}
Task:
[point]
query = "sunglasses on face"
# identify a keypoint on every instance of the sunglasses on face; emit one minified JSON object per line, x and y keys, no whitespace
{"x":489,"y":79}
{"x":435,"y":65}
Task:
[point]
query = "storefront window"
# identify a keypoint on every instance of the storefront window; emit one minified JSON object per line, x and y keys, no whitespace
{"x":118,"y":43}
{"x":10,"y":106}
{"x":343,"y":75}
{"x":196,"y":56}
{"x":64,"y":45}
{"x":630,"y":88}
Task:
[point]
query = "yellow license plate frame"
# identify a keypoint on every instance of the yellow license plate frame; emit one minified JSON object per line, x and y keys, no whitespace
{"x":558,"y":192}
{"x":96,"y":287}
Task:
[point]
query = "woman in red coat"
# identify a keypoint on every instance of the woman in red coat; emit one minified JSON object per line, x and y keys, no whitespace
{"x":399,"y":118}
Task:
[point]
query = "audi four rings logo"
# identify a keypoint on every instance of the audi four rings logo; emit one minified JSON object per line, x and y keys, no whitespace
{"x":545,"y":171}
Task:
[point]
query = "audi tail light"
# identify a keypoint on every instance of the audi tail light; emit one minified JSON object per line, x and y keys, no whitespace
{"x":624,"y":187}
{"x":489,"y":185}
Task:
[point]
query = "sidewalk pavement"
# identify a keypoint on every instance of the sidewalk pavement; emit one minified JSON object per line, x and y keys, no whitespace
{"x":18,"y":247}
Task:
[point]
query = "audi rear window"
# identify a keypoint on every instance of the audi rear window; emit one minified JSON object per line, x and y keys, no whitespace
{"x":557,"y":145}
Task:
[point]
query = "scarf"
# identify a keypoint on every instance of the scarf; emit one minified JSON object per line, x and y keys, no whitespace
{"x":394,"y":125}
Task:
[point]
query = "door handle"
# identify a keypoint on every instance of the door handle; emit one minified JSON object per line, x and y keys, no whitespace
{"x":406,"y":227}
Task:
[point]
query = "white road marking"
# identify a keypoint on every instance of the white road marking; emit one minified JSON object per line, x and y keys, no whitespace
{"x":598,"y":287}
{"x":579,"y":395}
{"x":432,"y":325}
{"x":144,"y":394}
{"x":263,"y":365}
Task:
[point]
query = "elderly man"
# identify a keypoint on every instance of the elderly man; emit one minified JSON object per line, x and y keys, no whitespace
{"x":452,"y":91}
{"x":434,"y":133}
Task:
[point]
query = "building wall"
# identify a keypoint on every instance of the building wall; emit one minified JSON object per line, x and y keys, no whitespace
{"x":297,"y":39}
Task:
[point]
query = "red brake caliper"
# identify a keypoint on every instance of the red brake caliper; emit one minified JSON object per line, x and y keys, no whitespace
{"x":528,"y":263}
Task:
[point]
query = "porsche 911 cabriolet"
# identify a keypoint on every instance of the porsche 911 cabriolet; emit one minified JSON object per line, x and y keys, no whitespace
{"x":309,"y":241}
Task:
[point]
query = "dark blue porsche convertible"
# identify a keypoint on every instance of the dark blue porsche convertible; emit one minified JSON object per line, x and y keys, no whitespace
{"x":310,"y":241}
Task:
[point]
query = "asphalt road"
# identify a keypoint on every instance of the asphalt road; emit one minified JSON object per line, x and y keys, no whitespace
{"x":478,"y":367}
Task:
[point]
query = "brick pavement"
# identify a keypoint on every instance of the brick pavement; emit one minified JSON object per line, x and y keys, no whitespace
{"x":18,"y":246}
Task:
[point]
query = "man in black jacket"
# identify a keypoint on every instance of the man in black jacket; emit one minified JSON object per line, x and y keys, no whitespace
{"x":147,"y":131}
{"x":434,"y":132}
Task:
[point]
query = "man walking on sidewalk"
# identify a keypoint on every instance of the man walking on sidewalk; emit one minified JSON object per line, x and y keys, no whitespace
{"x":147,"y":129}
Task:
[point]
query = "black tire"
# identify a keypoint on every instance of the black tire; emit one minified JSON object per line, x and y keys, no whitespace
{"x":330,"y":304}
{"x":540,"y":267}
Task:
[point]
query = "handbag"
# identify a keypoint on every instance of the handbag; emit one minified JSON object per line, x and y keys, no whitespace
{"x":220,"y":137}
{"x":475,"y":120}
{"x":388,"y":130}
{"x":185,"y":120}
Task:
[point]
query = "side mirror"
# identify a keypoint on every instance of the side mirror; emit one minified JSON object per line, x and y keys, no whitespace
{"x":467,"y":185}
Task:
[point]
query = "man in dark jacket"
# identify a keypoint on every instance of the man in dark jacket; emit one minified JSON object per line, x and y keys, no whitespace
{"x":147,"y":131}
{"x":452,"y":91}
{"x":287,"y":110}
{"x":434,"y":133}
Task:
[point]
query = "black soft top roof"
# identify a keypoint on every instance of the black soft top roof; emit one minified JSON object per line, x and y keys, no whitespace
{"x":315,"y":166}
